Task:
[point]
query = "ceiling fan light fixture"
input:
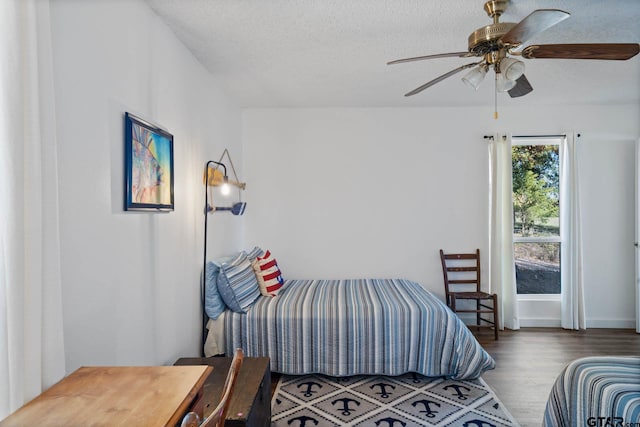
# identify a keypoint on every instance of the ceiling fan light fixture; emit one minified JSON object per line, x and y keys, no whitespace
{"x":503,"y":84}
{"x":474,"y":77}
{"x":511,"y":68}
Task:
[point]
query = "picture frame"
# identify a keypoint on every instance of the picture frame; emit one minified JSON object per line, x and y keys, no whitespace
{"x":148,"y":166}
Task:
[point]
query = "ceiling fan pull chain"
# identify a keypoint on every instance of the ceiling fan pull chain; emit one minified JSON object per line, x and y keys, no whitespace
{"x":495,"y":98}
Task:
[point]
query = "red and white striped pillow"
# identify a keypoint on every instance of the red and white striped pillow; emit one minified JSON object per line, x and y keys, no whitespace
{"x":268,"y":274}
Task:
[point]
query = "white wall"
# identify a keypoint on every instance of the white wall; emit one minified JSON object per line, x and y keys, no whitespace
{"x":376,"y":192}
{"x":131,"y":280}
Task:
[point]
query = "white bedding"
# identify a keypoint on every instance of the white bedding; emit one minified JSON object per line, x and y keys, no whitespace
{"x":214,"y":344}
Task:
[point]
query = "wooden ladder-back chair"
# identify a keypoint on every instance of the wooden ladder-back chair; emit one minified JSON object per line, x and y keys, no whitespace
{"x":218,"y":415}
{"x":462,"y":282}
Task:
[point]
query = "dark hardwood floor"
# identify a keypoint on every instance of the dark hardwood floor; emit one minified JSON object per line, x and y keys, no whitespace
{"x":529,"y":360}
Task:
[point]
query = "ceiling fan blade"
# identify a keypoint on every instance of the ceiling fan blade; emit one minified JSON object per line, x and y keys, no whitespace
{"x":610,"y":51}
{"x":521,"y":88}
{"x":439,"y":55}
{"x":442,"y":77}
{"x":536,"y":22}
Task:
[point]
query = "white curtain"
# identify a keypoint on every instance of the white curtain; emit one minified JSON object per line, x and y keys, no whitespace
{"x":502,"y":267}
{"x":573,"y":308}
{"x":31,"y":338}
{"x":637,"y":222}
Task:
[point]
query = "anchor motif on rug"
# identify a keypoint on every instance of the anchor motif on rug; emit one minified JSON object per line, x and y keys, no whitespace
{"x":346,"y":410}
{"x":303,"y":420}
{"x":309,"y":391}
{"x":478,"y":423}
{"x":383,"y":389}
{"x":459,"y":394}
{"x":391,"y":422}
{"x":429,"y":413}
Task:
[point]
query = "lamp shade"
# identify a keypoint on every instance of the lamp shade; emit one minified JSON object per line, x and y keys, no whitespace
{"x":502,"y":84}
{"x":511,"y":68}
{"x":474,"y":77}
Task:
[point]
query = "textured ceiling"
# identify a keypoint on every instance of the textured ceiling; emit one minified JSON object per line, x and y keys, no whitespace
{"x":332,"y":53}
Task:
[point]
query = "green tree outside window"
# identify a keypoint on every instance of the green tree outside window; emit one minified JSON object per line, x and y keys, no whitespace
{"x":535,"y":189}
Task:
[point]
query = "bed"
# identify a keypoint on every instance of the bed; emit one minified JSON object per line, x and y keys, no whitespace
{"x":351,"y":327}
{"x":596,"y":391}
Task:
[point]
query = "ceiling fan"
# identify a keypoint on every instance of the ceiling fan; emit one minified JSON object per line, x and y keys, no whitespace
{"x":496,"y":45}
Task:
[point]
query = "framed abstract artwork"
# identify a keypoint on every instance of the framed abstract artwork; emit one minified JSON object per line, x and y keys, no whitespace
{"x":148,"y":166}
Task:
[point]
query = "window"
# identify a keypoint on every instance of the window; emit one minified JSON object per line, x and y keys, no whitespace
{"x":536,"y":214}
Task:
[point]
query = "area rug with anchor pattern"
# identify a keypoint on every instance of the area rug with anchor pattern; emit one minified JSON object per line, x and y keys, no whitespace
{"x":403,"y":401}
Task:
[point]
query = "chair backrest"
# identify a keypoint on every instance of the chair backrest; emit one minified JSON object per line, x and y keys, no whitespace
{"x":461,"y":272}
{"x":218,"y":415}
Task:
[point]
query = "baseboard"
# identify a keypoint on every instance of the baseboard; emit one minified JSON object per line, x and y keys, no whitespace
{"x":591,"y":323}
{"x":611,"y":323}
{"x":554,"y":322}
{"x":539,"y":323}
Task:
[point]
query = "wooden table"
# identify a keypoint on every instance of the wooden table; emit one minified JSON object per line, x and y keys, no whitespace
{"x":116,"y":396}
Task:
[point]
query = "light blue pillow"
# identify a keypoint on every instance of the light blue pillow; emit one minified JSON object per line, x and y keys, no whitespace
{"x":213,"y":303}
{"x":237,"y":283}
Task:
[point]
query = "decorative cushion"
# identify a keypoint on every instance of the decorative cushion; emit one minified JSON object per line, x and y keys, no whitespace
{"x":254,"y":253}
{"x":213,"y":303}
{"x":268,"y":274}
{"x":237,"y":283}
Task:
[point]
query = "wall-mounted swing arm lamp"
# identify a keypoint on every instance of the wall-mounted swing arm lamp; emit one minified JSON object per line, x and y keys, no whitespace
{"x":213,"y":177}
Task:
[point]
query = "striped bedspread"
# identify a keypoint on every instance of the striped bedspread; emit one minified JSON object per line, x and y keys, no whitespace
{"x":596,"y":391}
{"x":351,"y":327}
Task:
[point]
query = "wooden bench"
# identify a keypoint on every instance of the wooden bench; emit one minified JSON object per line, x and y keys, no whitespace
{"x":251,"y":401}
